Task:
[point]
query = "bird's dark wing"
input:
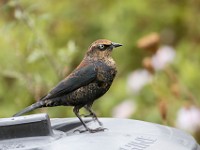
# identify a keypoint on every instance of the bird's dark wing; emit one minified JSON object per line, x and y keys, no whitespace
{"x":75,"y":80}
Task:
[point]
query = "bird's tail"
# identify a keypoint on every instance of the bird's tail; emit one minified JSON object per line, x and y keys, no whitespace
{"x":34,"y":106}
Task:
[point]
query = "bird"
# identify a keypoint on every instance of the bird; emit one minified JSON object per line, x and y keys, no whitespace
{"x":90,"y":80}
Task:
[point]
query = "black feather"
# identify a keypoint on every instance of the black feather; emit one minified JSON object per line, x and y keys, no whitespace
{"x":34,"y":106}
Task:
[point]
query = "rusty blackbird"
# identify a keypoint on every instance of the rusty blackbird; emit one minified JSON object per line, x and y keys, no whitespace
{"x":89,"y":81}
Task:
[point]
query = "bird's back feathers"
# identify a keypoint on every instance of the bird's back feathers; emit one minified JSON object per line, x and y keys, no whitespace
{"x":77,"y":79}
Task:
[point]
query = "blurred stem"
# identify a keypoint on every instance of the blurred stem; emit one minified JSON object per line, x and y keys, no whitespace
{"x":48,"y":57}
{"x":185,"y":91}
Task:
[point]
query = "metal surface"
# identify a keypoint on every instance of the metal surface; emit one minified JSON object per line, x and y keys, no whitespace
{"x":26,"y":126}
{"x":121,"y":134}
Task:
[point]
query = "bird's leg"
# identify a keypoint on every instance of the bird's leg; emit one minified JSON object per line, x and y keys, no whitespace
{"x":87,"y":107}
{"x":92,"y":114}
{"x":76,"y":111}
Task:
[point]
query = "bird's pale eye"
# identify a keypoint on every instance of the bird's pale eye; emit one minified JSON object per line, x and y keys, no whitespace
{"x":101,"y":46}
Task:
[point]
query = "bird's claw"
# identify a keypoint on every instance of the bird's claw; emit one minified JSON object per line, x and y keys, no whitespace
{"x":91,"y":130}
{"x":97,"y":130}
{"x":99,"y":122}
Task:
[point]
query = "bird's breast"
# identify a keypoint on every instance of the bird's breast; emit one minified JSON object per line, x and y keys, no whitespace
{"x":95,"y":89}
{"x":106,"y":73}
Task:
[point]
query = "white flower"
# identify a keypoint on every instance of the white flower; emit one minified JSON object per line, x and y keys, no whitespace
{"x":188,"y":119}
{"x":163,"y":56}
{"x":124,"y":109}
{"x":138,"y":79}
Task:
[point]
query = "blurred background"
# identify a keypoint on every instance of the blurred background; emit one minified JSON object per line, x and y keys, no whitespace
{"x":158,"y":66}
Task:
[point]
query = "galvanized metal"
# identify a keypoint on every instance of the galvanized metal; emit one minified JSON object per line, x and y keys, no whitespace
{"x":38,"y":132}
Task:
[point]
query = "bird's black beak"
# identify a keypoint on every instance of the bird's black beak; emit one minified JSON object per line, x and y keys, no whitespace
{"x":116,"y":44}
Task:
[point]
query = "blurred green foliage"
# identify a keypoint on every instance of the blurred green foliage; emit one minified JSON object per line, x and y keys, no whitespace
{"x":42,"y":41}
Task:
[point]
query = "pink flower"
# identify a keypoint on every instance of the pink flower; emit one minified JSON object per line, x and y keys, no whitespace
{"x":124,"y":109}
{"x":188,"y":118}
{"x":163,"y":56}
{"x":138,"y":79}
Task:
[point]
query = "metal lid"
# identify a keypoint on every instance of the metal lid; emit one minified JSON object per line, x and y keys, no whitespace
{"x":121,"y":134}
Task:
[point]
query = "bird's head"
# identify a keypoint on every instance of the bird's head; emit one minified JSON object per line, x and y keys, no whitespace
{"x":101,"y":48}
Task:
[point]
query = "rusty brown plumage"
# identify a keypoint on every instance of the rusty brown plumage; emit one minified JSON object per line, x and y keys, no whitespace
{"x":90,"y":80}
